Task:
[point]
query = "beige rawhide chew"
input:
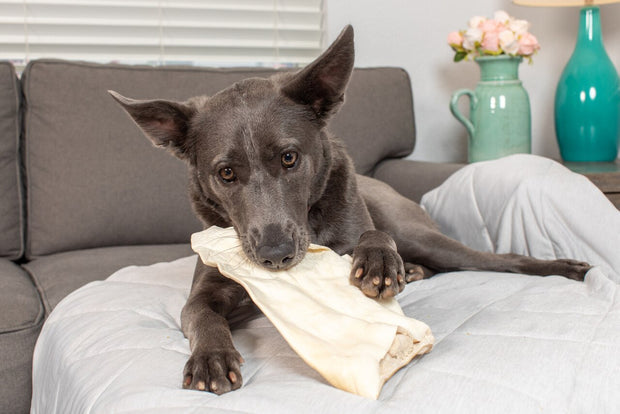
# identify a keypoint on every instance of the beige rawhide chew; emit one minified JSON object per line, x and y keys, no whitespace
{"x":354,"y":342}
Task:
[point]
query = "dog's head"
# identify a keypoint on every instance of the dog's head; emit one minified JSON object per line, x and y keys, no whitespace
{"x":258,"y":153}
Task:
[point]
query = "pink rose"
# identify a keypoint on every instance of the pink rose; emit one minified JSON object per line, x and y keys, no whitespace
{"x":528,"y":44}
{"x":490,"y":42}
{"x":455,"y":39}
{"x":492,"y":25}
{"x":491,"y":29}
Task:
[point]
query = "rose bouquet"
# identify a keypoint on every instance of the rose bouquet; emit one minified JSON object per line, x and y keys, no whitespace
{"x":501,"y":35}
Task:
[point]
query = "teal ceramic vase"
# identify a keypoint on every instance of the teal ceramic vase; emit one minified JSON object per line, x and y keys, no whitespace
{"x":587,"y":100}
{"x":499,"y":122}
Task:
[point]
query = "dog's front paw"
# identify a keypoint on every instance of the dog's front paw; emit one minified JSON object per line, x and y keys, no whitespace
{"x":377,"y":267}
{"x":217,"y":371}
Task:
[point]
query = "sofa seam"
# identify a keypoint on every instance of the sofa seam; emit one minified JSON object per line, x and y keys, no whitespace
{"x":25,"y":83}
{"x":43,"y":300}
{"x":42,"y":311}
{"x":411,"y":107}
{"x":36,"y":323}
{"x":187,"y":68}
{"x":172,"y":68}
{"x":18,"y":164}
{"x":17,"y":254}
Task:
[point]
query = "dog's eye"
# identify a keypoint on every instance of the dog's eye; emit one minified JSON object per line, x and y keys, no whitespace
{"x":227,"y":174}
{"x":289,"y":159}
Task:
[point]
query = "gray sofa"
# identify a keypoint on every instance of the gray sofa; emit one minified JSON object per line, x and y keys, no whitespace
{"x":85,"y":194}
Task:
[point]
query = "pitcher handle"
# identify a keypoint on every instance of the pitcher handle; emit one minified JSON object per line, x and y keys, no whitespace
{"x":454,"y":108}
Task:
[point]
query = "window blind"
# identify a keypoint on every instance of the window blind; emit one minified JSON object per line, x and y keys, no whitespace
{"x":195,"y":32}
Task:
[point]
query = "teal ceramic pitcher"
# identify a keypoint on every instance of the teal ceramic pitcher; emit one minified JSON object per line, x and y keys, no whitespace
{"x":499,"y":122}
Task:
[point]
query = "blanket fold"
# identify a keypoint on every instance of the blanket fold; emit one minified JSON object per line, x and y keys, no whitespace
{"x":354,"y":342}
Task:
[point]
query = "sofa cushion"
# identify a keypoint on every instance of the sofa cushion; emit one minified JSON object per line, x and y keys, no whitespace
{"x":412,"y":178}
{"x":60,"y":274}
{"x":21,"y":317}
{"x":11,"y":245}
{"x":20,"y":306}
{"x":94,"y":180}
{"x":376,"y":121}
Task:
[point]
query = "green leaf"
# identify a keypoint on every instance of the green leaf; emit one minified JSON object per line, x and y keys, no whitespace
{"x":460,"y":56}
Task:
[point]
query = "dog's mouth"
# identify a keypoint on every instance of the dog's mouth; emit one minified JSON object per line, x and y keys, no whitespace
{"x":272,"y":253}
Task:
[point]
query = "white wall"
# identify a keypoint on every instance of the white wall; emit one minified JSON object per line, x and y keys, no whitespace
{"x":412,"y":34}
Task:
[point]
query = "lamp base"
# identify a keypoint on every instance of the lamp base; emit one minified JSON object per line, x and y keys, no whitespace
{"x":587,"y":100}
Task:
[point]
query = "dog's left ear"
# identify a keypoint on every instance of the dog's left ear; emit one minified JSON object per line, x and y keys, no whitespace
{"x":322,"y":83}
{"x":165,"y":123}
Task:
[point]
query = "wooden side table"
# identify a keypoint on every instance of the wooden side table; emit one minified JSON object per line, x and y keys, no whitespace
{"x":605,"y":175}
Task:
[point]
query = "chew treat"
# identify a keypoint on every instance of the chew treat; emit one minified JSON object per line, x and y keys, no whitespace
{"x":354,"y":342}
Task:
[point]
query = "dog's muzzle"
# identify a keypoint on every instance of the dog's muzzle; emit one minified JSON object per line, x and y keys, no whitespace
{"x":274,"y":248}
{"x":277,"y":257}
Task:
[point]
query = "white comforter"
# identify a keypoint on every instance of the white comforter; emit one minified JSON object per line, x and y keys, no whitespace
{"x":504,"y":342}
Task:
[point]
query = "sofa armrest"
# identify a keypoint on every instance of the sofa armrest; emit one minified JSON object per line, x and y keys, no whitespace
{"x":414,"y":178}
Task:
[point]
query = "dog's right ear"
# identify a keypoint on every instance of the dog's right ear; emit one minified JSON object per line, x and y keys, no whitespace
{"x":165,"y":123}
{"x":321,"y":84}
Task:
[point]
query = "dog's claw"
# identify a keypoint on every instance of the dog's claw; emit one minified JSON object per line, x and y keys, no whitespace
{"x":359,"y":272}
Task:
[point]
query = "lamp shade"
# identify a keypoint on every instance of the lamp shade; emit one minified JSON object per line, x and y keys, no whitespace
{"x":563,"y":3}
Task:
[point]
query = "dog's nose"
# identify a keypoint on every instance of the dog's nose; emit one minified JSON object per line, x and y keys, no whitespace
{"x":278,"y":256}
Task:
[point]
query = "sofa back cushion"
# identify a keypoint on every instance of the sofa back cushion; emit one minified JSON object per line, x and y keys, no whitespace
{"x":376,"y":121}
{"x":94,"y":180}
{"x":11,"y":224}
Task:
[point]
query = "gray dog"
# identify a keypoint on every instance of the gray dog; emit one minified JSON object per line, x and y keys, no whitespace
{"x":262,"y":160}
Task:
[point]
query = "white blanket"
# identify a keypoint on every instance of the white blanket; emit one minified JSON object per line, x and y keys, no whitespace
{"x":504,"y":342}
{"x":529,"y":205}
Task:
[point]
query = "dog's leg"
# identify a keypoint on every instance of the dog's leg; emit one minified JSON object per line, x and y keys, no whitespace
{"x":215,"y":363}
{"x":438,"y":252}
{"x":421,"y":243}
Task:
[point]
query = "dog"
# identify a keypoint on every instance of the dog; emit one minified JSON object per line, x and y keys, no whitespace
{"x":262,"y":160}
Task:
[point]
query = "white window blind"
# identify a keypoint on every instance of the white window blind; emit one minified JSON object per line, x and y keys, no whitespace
{"x":195,"y":32}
